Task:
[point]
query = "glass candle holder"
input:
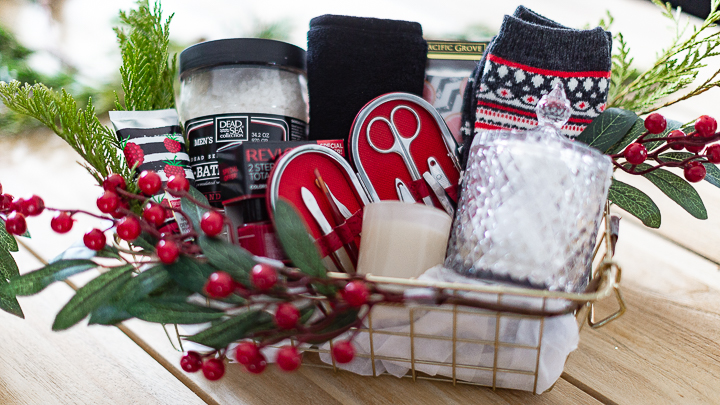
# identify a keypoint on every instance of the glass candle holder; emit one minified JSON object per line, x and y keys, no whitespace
{"x":531,"y":205}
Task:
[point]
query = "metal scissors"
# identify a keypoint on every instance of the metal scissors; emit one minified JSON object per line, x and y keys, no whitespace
{"x":401,"y":144}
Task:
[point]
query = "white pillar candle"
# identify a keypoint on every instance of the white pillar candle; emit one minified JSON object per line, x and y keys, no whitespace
{"x":402,"y":240}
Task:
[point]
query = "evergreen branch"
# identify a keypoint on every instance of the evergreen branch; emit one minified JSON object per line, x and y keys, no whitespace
{"x":80,"y":128}
{"x":675,"y":69}
{"x":147,"y":71}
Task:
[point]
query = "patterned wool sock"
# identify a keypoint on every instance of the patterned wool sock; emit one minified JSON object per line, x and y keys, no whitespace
{"x":470,"y":95}
{"x":523,"y":63}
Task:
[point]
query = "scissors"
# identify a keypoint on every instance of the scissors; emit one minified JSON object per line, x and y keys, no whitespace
{"x":401,"y":145}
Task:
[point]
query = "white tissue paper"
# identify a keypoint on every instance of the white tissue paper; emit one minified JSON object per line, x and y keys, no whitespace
{"x":516,"y":365}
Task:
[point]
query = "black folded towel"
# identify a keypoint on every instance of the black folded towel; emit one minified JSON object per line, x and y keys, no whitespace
{"x":352,"y":60}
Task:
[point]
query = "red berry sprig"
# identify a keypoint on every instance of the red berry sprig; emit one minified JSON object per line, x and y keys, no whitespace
{"x":636,"y":153}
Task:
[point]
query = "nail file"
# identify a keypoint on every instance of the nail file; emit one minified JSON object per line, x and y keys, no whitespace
{"x":312,"y":206}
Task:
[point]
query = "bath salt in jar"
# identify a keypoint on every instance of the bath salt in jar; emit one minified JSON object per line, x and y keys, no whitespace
{"x":239,"y":90}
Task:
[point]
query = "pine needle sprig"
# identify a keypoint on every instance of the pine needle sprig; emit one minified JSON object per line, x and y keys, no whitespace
{"x":80,"y":128}
{"x":147,"y":72}
{"x":675,"y":69}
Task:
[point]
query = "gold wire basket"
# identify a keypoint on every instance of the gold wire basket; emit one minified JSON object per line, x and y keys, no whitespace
{"x":508,"y":305}
{"x":504,"y":308}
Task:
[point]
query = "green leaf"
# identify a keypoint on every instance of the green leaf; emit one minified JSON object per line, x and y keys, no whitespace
{"x":232,"y":259}
{"x":95,"y":293}
{"x":677,"y":189}
{"x":635,"y":202}
{"x":233,"y":329}
{"x":145,"y":241}
{"x":193,"y":211}
{"x":10,"y":304}
{"x":296,"y":241}
{"x":142,"y":285}
{"x":608,"y":128}
{"x":713,"y":173}
{"x":36,"y":281}
{"x":8,"y":267}
{"x":671,"y":126}
{"x":340,"y":324}
{"x":190,"y":273}
{"x":182,"y":313}
{"x":7,"y":241}
{"x":108,"y":315}
{"x":636,"y":130}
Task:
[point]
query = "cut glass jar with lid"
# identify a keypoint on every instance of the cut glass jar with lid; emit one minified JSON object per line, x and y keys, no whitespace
{"x":239,"y":90}
{"x":531,"y":206}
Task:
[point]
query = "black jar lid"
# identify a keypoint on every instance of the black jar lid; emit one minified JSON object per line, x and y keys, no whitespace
{"x":251,"y":51}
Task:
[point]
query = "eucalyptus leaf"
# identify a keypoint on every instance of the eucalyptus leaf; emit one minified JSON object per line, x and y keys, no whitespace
{"x":232,"y":259}
{"x":607,"y":128}
{"x":233,"y":329}
{"x":95,"y":293}
{"x":78,"y":250}
{"x":142,"y":285}
{"x":713,"y":173}
{"x":635,"y":202}
{"x":190,"y":273}
{"x":35,"y":281}
{"x":9,"y":303}
{"x":340,"y":324}
{"x":182,"y":313}
{"x":108,"y":315}
{"x":678,"y":189}
{"x":8,"y":267}
{"x":636,"y":130}
{"x":7,"y":241}
{"x":193,"y":211}
{"x":296,"y":241}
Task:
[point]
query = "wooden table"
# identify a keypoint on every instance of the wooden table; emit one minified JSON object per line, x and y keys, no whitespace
{"x":663,"y":350}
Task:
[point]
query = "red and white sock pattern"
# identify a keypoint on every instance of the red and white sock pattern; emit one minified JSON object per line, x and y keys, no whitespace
{"x":509,"y":91}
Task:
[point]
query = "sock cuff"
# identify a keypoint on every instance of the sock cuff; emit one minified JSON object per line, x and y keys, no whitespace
{"x":530,"y":16}
{"x":553,"y":49}
{"x":366,"y":24}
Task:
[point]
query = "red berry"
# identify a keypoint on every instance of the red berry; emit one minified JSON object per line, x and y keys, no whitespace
{"x":19,"y":205}
{"x":288,"y":358}
{"x":212,"y":223}
{"x":178,"y":183}
{"x":5,"y":202}
{"x":213,"y":369}
{"x":694,"y":171}
{"x":113,"y":182}
{"x":286,"y":316}
{"x":108,"y":202}
{"x":191,"y":362}
{"x":635,"y":153}
{"x":149,"y":182}
{"x":655,"y":123}
{"x":695,"y":148}
{"x":676,"y":144}
{"x":167,"y":250}
{"x":257,"y":366}
{"x":219,"y":285}
{"x":62,"y":222}
{"x":343,"y":351}
{"x":128,"y":228}
{"x":154,"y":214}
{"x":713,"y":153}
{"x":119,"y":213}
{"x":246,"y":352}
{"x":94,"y":239}
{"x":15,"y":223}
{"x":706,"y":126}
{"x":263,"y":276}
{"x":33,"y":206}
{"x":355,"y":293}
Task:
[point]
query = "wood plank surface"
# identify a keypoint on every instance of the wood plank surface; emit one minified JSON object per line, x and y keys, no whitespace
{"x":664,"y":349}
{"x":84,"y":365}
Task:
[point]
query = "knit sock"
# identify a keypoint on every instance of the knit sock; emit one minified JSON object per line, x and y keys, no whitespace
{"x":525,"y":61}
{"x":535,"y":51}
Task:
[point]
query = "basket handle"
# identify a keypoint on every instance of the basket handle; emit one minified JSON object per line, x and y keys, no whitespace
{"x":621,"y":305}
